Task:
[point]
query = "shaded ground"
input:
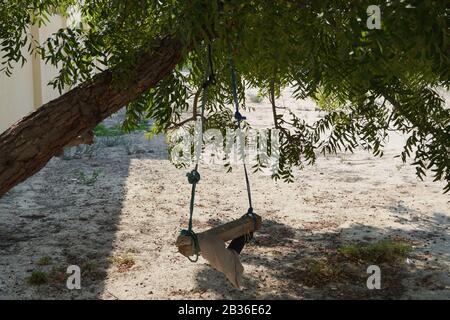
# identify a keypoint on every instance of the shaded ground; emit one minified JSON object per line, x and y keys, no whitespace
{"x":120,"y":226}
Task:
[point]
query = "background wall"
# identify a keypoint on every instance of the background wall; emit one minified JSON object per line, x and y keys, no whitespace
{"x":27,"y":89}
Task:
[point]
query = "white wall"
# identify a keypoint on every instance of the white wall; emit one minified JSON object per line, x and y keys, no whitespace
{"x":16,"y":94}
{"x":49,"y":72}
{"x":27,"y":88}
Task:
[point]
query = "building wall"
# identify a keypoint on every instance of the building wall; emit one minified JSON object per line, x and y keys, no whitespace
{"x":16,"y":94}
{"x":49,"y":72}
{"x":27,"y":88}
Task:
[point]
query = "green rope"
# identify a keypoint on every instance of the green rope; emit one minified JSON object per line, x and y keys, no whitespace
{"x":194,"y":175}
{"x":193,"y":178}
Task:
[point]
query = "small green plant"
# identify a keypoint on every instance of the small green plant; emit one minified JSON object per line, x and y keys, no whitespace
{"x":37,"y":277}
{"x":58,"y":274}
{"x":382,"y":251}
{"x":79,"y":151}
{"x":91,"y":150}
{"x":129,"y":147}
{"x":349,"y":262}
{"x":112,"y":141}
{"x":117,"y":130}
{"x":88,"y":180}
{"x":91,"y":270}
{"x":322,"y":271}
{"x":103,"y":131}
{"x":71,"y":153}
{"x":44,"y":261}
{"x":124,"y":263}
{"x":90,"y":266}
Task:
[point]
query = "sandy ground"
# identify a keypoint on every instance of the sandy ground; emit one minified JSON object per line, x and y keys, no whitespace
{"x":135,"y":209}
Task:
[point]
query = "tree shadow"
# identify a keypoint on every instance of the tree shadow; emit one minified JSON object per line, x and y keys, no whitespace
{"x":282,"y":264}
{"x":44,"y":213}
{"x":67,"y":214}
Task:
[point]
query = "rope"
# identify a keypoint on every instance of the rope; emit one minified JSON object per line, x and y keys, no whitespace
{"x":239,"y":117}
{"x":194,"y":175}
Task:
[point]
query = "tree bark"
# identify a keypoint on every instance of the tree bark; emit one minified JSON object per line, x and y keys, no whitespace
{"x":29,"y":144}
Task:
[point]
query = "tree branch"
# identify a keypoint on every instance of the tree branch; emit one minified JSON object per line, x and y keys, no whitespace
{"x":30,"y":143}
{"x":174,"y":125}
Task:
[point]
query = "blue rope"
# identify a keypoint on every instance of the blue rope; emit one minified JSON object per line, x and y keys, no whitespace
{"x":239,"y":117}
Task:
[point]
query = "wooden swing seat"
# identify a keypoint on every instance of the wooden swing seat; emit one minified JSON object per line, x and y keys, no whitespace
{"x":225,"y":232}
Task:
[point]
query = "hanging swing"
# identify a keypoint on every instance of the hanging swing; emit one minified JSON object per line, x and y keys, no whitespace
{"x":239,"y":231}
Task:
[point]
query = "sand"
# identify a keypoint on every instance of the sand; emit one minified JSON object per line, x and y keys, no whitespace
{"x":121,"y":228}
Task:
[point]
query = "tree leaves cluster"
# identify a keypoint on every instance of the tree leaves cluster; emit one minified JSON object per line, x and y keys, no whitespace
{"x":369,"y":81}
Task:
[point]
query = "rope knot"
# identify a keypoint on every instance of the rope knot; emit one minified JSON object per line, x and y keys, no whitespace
{"x":238,"y":116}
{"x":193,"y":177}
{"x":194,"y":241}
{"x":251,"y":215}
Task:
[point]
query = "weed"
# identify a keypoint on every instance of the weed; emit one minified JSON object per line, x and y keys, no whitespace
{"x":58,"y":274}
{"x":103,"y":131}
{"x":343,"y":271}
{"x":382,"y":251}
{"x":129,"y":147}
{"x":123,"y":263}
{"x":37,"y":278}
{"x":79,"y":151}
{"x":90,"y":266}
{"x":117,"y":130}
{"x":88,"y":180}
{"x":112,"y":141}
{"x":321,"y":271}
{"x":91,"y":150}
{"x":91,"y":270}
{"x":44,"y":261}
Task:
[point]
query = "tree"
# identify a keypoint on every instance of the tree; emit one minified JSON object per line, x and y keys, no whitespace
{"x":133,"y":53}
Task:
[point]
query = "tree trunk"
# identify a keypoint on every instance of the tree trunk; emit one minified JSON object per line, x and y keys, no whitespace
{"x":30,"y":143}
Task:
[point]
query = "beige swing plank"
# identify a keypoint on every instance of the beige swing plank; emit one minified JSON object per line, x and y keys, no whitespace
{"x":226,"y":232}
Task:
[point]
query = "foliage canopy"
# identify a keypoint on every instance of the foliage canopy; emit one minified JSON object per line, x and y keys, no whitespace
{"x":373,"y":80}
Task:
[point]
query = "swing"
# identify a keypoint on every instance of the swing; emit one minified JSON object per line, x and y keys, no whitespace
{"x":226,"y":232}
{"x":240,"y":231}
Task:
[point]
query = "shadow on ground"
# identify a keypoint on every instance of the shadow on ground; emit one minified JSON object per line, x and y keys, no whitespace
{"x":45,"y":227}
{"x":38,"y":216}
{"x":277,"y":269}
